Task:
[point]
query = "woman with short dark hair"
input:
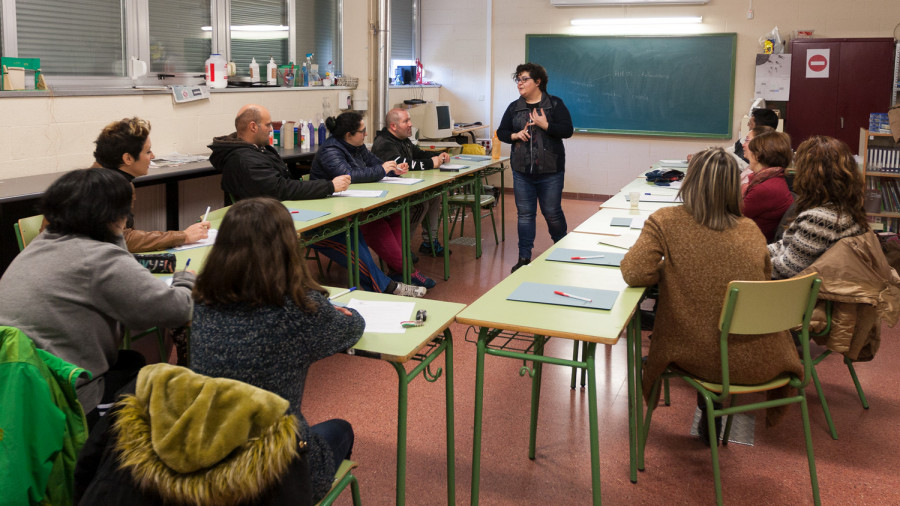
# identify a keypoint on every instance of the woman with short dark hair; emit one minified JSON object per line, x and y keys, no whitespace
{"x":830,"y":195}
{"x":75,"y":288}
{"x":692,"y":252}
{"x":262,"y":319}
{"x":124,"y":146}
{"x":767,"y":196}
{"x":536,"y":124}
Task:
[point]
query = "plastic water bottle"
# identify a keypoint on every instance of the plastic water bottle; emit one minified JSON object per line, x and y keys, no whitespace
{"x":312,"y":135}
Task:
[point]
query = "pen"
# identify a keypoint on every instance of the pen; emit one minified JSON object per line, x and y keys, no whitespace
{"x":564,"y":294}
{"x":186,"y":265}
{"x":587,"y":257}
{"x":412,"y":324}
{"x":611,"y":235}
{"x":295,"y":212}
{"x":205,"y":214}
{"x":345,"y":292}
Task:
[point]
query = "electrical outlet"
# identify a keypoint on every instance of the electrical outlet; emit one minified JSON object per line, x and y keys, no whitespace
{"x":481,"y":98}
{"x":749,"y":13}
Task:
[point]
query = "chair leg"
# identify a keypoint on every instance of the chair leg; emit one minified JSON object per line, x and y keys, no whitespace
{"x":713,"y":446}
{"x":354,"y":490}
{"x":859,"y":390}
{"x":821,"y":393}
{"x":574,"y":359}
{"x":666,"y":399}
{"x":494,"y":225}
{"x":807,"y":435}
{"x":729,"y":419}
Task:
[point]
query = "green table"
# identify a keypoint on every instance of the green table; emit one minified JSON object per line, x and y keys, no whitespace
{"x":418,"y":344}
{"x":494,"y":315}
{"x":641,"y":185}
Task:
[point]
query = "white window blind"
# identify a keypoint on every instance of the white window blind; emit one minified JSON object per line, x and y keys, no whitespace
{"x":318,"y":32}
{"x":73,"y":38}
{"x":402,"y":43}
{"x":259,"y":30}
{"x":178,"y":42}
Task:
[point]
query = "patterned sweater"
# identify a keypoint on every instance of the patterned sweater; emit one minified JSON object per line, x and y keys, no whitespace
{"x":272,"y":347}
{"x":807,"y":237}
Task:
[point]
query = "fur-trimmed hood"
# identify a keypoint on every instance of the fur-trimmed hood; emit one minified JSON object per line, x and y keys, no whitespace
{"x":199,"y":440}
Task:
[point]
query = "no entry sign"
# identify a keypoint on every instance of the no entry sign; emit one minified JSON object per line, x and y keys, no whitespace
{"x":818,"y":61}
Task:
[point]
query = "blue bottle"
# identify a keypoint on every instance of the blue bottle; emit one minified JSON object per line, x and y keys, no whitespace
{"x":321,"y":131}
{"x":312,"y":135}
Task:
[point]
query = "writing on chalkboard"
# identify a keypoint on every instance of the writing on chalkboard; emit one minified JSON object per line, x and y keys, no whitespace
{"x":643,"y":85}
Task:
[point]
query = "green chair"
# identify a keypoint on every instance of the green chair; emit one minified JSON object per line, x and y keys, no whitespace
{"x":847,"y":361}
{"x":786,"y":304}
{"x":466,"y":200}
{"x":342,"y":478}
{"x":27,"y":229}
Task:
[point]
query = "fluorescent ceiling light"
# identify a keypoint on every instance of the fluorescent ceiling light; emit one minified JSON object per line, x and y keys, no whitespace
{"x":683,"y":20}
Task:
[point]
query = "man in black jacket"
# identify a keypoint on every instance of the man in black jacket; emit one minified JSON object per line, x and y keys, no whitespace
{"x":392,"y":143}
{"x":252,"y":168}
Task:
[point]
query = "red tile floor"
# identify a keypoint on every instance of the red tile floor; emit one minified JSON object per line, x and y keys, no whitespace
{"x":859,"y":468}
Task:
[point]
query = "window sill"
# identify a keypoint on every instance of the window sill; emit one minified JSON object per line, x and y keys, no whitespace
{"x":75,"y":91}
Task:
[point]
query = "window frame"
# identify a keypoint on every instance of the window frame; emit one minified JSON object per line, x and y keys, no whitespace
{"x":137,"y":42}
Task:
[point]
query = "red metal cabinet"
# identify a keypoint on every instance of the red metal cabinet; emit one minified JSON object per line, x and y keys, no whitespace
{"x":858,"y":83}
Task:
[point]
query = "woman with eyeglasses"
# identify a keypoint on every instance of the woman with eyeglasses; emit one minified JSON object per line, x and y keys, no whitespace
{"x":345,"y":152}
{"x":535,"y":125}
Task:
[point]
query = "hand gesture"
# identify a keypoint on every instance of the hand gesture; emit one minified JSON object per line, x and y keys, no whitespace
{"x":388,"y":166}
{"x":402,"y":168}
{"x":341,"y":183}
{"x":538,"y":119}
{"x":196,"y":232}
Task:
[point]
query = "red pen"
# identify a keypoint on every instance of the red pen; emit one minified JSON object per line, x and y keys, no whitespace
{"x":564,"y":294}
{"x":295,"y":212}
{"x":587,"y":257}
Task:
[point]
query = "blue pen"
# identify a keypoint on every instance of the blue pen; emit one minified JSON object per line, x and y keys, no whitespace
{"x":186,"y":265}
{"x":345,"y":292}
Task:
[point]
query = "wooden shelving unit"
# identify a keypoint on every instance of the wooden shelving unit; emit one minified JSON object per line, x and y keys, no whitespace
{"x":881,"y":169}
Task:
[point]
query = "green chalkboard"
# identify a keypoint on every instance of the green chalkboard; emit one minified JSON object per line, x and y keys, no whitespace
{"x":681,"y":86}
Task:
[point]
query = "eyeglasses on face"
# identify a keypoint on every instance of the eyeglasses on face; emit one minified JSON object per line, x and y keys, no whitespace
{"x":522,"y":79}
{"x":363,"y":131}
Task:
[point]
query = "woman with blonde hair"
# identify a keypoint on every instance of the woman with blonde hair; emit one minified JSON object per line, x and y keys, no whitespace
{"x":830,"y":194}
{"x":692,"y":252}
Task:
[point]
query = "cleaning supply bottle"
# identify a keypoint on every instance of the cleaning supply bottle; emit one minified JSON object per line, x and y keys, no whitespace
{"x":307,"y":142}
{"x":312,"y":135}
{"x":495,"y":146}
{"x":322,"y":131}
{"x":272,"y":72}
{"x":301,"y":134}
{"x":254,"y":71}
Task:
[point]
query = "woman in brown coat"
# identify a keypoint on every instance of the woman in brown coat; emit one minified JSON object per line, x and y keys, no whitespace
{"x":693,"y":251}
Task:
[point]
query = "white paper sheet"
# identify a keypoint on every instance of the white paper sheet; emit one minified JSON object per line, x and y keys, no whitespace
{"x":358,"y":193}
{"x":453,"y":166}
{"x":400,"y":180}
{"x":384,"y":317}
{"x":209,"y":241}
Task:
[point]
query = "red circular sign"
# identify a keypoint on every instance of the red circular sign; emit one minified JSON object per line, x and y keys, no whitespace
{"x":817,"y":63}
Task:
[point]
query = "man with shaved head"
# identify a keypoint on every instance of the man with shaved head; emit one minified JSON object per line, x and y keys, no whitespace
{"x":252,"y":168}
{"x":392,"y":143}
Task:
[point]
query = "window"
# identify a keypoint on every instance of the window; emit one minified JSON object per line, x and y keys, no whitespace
{"x":180,"y":35}
{"x":319,"y":32}
{"x":259,"y":29}
{"x":403,"y":14}
{"x":73,"y":38}
{"x":90,"y":42}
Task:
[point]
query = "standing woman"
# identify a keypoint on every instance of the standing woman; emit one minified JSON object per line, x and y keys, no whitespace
{"x":767,"y":196}
{"x":124,"y":146}
{"x":692,"y":252}
{"x":260,"y":318}
{"x":535,"y":124}
{"x":830,"y":196}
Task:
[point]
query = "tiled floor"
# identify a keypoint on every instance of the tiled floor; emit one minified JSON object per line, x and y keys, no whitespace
{"x":859,"y":468}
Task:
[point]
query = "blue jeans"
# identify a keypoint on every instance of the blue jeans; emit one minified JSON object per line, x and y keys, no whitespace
{"x":339,"y":435}
{"x":531,"y":190}
{"x":371,"y":277}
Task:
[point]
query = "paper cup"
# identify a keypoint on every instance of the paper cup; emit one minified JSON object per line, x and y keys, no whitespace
{"x":634,"y":198}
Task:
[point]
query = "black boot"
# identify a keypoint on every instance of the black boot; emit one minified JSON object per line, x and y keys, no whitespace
{"x":520,"y":263}
{"x":703,"y":427}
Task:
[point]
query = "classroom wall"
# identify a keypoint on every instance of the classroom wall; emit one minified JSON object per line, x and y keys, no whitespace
{"x":602,"y":163}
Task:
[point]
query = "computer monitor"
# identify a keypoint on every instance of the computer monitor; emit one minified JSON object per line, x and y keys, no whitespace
{"x":433,"y":120}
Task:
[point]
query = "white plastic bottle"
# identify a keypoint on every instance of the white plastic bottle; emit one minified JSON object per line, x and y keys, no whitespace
{"x":254,"y":71}
{"x":307,"y":141}
{"x":216,"y":72}
{"x":272,"y":72}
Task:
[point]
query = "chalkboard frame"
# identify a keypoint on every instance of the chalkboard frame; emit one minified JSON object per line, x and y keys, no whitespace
{"x":725,"y":129}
